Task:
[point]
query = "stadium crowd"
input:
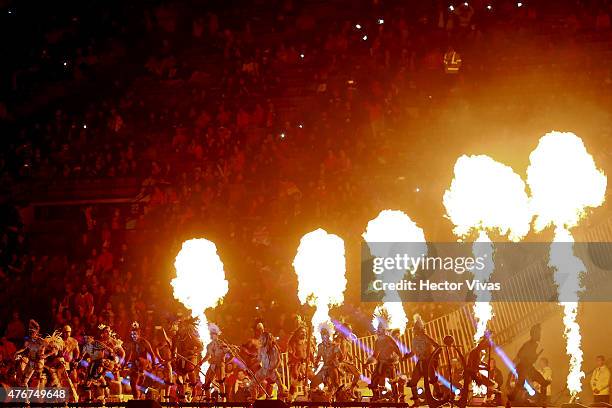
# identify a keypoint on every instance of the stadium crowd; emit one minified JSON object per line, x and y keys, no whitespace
{"x":255,"y":126}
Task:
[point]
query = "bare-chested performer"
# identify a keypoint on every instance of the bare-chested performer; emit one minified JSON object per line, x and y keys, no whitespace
{"x":33,"y":350}
{"x":140,"y":357}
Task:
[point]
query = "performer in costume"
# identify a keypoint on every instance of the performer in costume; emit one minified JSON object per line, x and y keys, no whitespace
{"x":54,"y":360}
{"x":71,"y":352}
{"x":269,"y":362}
{"x":385,"y":356}
{"x":250,"y":349}
{"x":329,"y":353}
{"x":524,"y":361}
{"x":477,"y":361}
{"x":347,"y":359}
{"x":101,"y":355}
{"x":298,"y":354}
{"x":163,"y":348}
{"x":400,"y":380}
{"x":216,"y":355}
{"x":34,"y":349}
{"x":422,"y":347}
{"x":186,"y":349}
{"x":140,"y":357}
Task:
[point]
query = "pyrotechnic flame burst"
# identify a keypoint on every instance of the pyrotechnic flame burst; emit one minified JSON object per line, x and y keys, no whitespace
{"x":388,"y":227}
{"x":320,"y":267}
{"x":564,"y":181}
{"x":486,"y":195}
{"x":200,"y":280}
{"x":483,"y":248}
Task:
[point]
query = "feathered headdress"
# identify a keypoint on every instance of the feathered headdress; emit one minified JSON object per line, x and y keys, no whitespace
{"x":214,"y":329}
{"x":112,"y":335}
{"x":300,"y":322}
{"x":33,"y":325}
{"x":189,"y":323}
{"x":418,"y":321}
{"x":326,"y":327}
{"x":258,"y":325}
{"x":381,"y":319}
{"x":55,"y":341}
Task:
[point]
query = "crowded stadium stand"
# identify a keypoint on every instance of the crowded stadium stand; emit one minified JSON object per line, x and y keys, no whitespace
{"x":129,"y":127}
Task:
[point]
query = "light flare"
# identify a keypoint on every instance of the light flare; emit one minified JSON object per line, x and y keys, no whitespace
{"x":200,"y":281}
{"x":564,"y":182}
{"x":391,"y":226}
{"x":320,"y":266}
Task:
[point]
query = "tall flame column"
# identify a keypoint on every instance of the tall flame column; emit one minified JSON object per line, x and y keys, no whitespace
{"x":564,"y":181}
{"x":389,"y":227}
{"x":200,"y":281}
{"x":486,"y":195}
{"x":320,"y":266}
